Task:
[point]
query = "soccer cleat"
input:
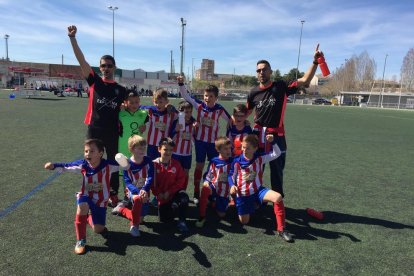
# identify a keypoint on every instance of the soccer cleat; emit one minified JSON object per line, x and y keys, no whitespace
{"x":286,"y":236}
{"x":195,"y":200}
{"x":113,"y":201}
{"x":182,"y":227}
{"x":200,"y":222}
{"x":134,"y":231}
{"x":80,"y":247}
{"x":117,"y":210}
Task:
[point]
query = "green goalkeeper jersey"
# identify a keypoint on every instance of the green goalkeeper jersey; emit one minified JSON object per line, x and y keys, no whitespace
{"x":130,"y":123}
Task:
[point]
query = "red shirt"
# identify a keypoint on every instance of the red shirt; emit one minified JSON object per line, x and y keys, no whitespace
{"x":169,"y":179}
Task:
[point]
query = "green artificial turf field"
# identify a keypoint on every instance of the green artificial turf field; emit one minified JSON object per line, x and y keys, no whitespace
{"x":354,"y":164}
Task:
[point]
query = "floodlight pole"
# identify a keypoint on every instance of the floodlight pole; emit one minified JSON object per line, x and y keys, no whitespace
{"x":380,"y":100}
{"x":297,"y":64}
{"x":113,"y":9}
{"x":183,"y":24}
{"x":6,"y":37}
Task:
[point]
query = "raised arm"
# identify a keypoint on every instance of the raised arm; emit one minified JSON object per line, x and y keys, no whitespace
{"x":306,"y":79}
{"x":85,"y":67}
{"x":273,"y":155}
{"x":184,"y":92}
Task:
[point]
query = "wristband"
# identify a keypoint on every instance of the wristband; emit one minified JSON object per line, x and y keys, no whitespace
{"x":315,"y":62}
{"x":71,"y":36}
{"x":180,"y":84}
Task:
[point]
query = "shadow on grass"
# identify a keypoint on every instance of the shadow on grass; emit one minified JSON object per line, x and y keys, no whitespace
{"x":301,"y":228}
{"x":165,"y":240}
{"x":230,"y":223}
{"x":166,"y":237}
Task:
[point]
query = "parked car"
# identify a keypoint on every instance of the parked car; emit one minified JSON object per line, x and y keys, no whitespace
{"x":322,"y":101}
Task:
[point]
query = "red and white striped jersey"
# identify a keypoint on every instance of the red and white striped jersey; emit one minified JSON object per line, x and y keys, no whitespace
{"x":160,"y":124}
{"x":184,"y":138}
{"x":139,"y":176}
{"x":207,"y":118}
{"x":236,"y":137}
{"x":217,"y":175}
{"x":96,"y":181}
{"x":248,"y":174}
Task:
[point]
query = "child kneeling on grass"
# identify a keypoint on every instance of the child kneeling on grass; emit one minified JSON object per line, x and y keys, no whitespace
{"x":169,"y":186}
{"x":138,"y":178}
{"x":245,"y":179}
{"x":216,"y":185}
{"x":95,"y":190}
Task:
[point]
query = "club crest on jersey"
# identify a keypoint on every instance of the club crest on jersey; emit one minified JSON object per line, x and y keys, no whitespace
{"x":186,"y":136}
{"x":249,"y":177}
{"x":139,"y":183}
{"x":94,"y":187}
{"x":223,"y":177}
{"x":173,"y":170}
{"x":207,"y":121}
{"x":161,"y":126}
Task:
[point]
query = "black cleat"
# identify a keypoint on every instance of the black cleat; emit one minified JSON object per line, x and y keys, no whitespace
{"x":286,"y":236}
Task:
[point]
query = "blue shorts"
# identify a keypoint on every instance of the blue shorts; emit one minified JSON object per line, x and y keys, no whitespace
{"x":145,"y":206}
{"x":185,"y":160}
{"x":221,"y":202}
{"x":204,"y":149}
{"x":152,"y":152}
{"x":98,"y":213}
{"x":247,"y":204}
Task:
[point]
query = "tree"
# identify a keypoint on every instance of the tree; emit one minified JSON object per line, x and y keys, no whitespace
{"x":291,"y":76}
{"x":276,"y":76}
{"x":365,"y":70}
{"x":407,"y":70}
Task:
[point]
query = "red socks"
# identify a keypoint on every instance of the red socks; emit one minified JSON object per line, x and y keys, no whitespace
{"x":136,"y":211}
{"x":205,"y":193}
{"x":133,"y":215}
{"x":197,"y":178}
{"x":279,"y":209}
{"x":80,"y":226}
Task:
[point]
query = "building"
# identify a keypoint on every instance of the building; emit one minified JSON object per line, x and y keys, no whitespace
{"x":206,"y":72}
{"x":36,"y":75}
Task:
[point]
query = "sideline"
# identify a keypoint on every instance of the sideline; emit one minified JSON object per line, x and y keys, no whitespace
{"x":16,"y":204}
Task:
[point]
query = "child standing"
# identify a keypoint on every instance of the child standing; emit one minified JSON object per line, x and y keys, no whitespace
{"x":160,"y":121}
{"x":183,"y":137}
{"x":246,"y":181}
{"x":208,"y":114}
{"x":169,"y":186}
{"x":238,"y":129}
{"x":216,"y":182}
{"x":132,"y":121}
{"x":95,"y":190}
{"x":138,"y":177}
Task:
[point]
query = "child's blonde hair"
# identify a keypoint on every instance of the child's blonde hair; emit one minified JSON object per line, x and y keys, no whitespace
{"x":136,"y":140}
{"x":221,"y":141}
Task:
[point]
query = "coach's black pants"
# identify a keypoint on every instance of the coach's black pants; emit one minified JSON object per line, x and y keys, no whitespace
{"x":110,"y":139}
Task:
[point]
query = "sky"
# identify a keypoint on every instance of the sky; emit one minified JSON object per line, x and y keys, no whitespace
{"x":236,"y":34}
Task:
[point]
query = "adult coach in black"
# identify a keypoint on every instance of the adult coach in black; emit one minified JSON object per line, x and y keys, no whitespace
{"x":105,"y":99}
{"x":269,"y":99}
